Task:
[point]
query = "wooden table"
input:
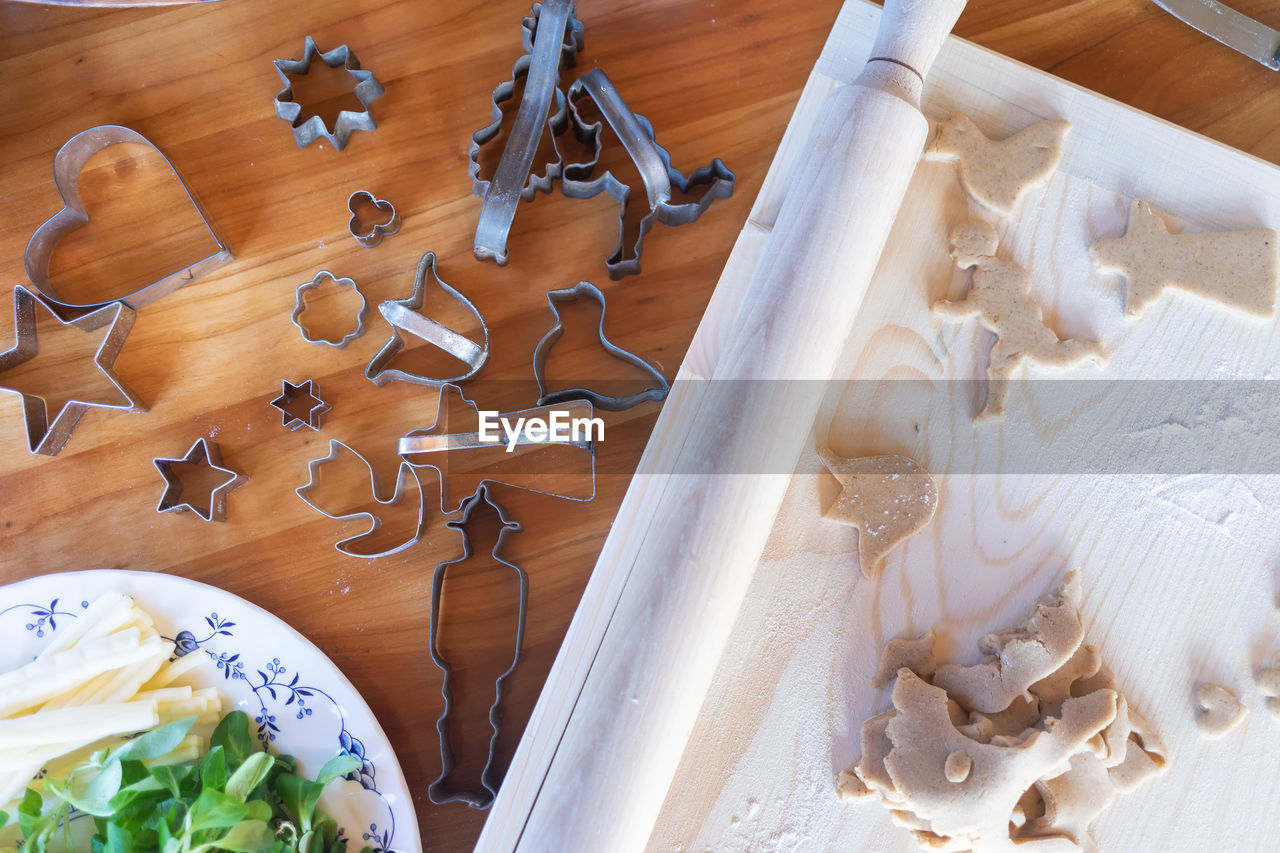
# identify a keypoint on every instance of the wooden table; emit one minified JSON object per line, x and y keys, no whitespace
{"x":716,"y":79}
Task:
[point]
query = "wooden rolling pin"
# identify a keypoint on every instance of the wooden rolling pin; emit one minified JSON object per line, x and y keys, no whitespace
{"x":606,"y":737}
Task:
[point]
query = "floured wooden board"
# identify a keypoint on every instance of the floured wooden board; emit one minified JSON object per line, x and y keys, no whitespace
{"x":1180,"y":571}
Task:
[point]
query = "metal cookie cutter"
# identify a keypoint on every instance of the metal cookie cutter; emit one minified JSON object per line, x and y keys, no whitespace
{"x":67,"y":163}
{"x":552,"y":37}
{"x":601,"y":401}
{"x":367,"y":90}
{"x":300,"y":405}
{"x":300,"y":306}
{"x":203,"y":453}
{"x":377,"y":230}
{"x":436,"y":791}
{"x":404,"y":316}
{"x":352,"y":545}
{"x":48,"y":437}
{"x":651,"y":159}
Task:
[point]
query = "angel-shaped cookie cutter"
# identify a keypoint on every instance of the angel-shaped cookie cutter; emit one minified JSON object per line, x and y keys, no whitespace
{"x":367,"y":90}
{"x":436,"y":791}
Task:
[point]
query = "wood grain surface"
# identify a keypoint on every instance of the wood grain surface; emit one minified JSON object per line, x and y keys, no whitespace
{"x":717,"y":79}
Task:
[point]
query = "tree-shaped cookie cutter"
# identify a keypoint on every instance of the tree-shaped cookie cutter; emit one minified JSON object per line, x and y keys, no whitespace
{"x":436,"y":791}
{"x":601,"y":401}
{"x":367,"y":90}
{"x":67,"y":163}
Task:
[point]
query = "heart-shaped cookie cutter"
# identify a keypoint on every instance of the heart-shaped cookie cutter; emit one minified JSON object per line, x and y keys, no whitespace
{"x":67,"y":163}
{"x":373,"y":235}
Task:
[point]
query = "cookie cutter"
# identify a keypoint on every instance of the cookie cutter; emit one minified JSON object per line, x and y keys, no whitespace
{"x":651,"y":160}
{"x":600,"y":401}
{"x":436,"y":791}
{"x":291,"y":416}
{"x":404,"y":315}
{"x":48,"y":437}
{"x":205,"y":453}
{"x":377,"y":231}
{"x":67,"y":164}
{"x":428,"y":444}
{"x":552,"y":36}
{"x":349,"y":545}
{"x":300,"y":306}
{"x":367,"y":90}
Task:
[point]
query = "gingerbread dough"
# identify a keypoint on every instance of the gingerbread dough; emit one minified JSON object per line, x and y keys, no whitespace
{"x":888,"y":498}
{"x":1236,"y":268}
{"x":1000,"y":297}
{"x":997,"y":173}
{"x":1269,"y":686}
{"x":1220,"y":710}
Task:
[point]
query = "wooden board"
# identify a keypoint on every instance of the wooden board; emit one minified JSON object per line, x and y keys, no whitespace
{"x":1179,"y":570}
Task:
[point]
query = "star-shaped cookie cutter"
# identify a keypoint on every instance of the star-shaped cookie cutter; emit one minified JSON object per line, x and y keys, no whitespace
{"x":373,"y":235}
{"x":367,"y":90}
{"x":45,"y":436}
{"x":295,"y":416}
{"x":203,"y":453}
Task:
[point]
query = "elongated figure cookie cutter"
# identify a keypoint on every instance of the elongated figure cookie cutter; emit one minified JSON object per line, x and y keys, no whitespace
{"x":600,"y":401}
{"x":373,"y":236}
{"x":293,"y":417}
{"x":348,"y":546}
{"x":436,"y":791}
{"x":45,"y":436}
{"x":651,"y":160}
{"x":367,"y":90}
{"x":67,"y":164}
{"x":203,"y":453}
{"x":552,"y":36}
{"x":404,"y":315}
{"x":300,"y":306}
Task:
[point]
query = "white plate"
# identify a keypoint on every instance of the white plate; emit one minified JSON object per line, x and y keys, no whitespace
{"x":300,"y":703}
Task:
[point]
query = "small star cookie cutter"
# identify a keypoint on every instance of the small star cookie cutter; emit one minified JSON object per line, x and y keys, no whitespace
{"x":373,"y":235}
{"x":300,"y":306}
{"x":436,"y":791}
{"x":203,"y":453}
{"x":294,"y":416}
{"x":367,"y":90}
{"x":45,"y":436}
{"x":600,"y":401}
{"x":67,"y":164}
{"x":404,"y":315}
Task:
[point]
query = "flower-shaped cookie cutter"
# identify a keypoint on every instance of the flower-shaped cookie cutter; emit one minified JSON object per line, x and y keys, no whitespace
{"x":367,"y":90}
{"x":371,"y":236}
{"x":300,"y":306}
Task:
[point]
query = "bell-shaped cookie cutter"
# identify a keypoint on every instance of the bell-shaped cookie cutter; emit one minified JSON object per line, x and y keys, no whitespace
{"x":367,"y":90}
{"x":404,"y":315}
{"x":651,"y":160}
{"x":67,"y":163}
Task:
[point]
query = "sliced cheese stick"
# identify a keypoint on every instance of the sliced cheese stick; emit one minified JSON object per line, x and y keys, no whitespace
{"x":42,"y":680}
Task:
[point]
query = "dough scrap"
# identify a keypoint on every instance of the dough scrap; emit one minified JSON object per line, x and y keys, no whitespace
{"x":998,"y":172}
{"x":888,"y":498}
{"x":1220,"y":710}
{"x":915,"y":653}
{"x":1236,"y":268}
{"x":1072,"y":801}
{"x":1268,"y":681}
{"x":1020,"y":655}
{"x":1000,"y":297}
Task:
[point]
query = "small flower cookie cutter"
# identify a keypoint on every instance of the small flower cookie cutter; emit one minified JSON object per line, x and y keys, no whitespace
{"x":436,"y":791}
{"x":601,"y":401}
{"x":404,"y":315}
{"x":295,"y":417}
{"x":202,"y":453}
{"x":377,"y":230}
{"x":300,"y":306}
{"x":67,"y":163}
{"x":367,"y":90}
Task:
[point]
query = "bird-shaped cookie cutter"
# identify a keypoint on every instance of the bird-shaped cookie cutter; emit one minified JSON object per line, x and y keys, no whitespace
{"x":367,"y":90}
{"x":437,"y":792}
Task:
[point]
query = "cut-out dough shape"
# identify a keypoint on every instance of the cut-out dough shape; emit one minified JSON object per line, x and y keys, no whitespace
{"x":1269,"y":685}
{"x":915,"y":653}
{"x":1220,"y":710}
{"x":1235,"y":268}
{"x":1000,"y":297}
{"x":998,"y":172}
{"x":888,"y":498}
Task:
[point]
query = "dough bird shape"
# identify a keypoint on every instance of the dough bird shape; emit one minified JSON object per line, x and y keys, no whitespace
{"x":998,"y":172}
